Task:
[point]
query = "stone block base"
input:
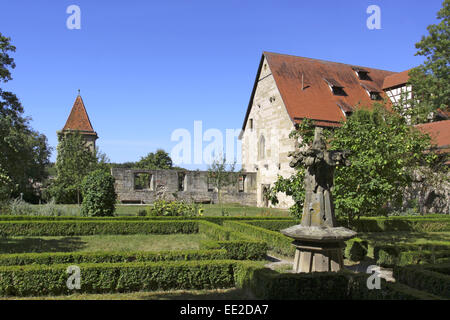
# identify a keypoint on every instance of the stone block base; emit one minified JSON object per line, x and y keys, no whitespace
{"x":318,"y":256}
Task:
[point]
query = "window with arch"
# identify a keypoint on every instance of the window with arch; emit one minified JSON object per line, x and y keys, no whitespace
{"x":261,"y":147}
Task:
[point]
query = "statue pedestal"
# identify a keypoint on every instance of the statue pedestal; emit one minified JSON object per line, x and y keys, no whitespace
{"x":318,"y":249}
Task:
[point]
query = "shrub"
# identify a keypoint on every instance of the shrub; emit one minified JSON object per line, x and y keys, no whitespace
{"x":71,"y":228}
{"x":276,"y":241}
{"x":142,"y":213}
{"x":162,"y":207}
{"x":420,"y":278}
{"x":356,"y":249}
{"x":20,"y":207}
{"x":22,"y":259}
{"x":99,"y":196}
{"x":239,"y":249}
{"x":39,"y":280}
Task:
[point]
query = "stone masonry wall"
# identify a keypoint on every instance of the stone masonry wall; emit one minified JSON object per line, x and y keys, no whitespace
{"x":270,"y":120}
{"x":194,"y":187}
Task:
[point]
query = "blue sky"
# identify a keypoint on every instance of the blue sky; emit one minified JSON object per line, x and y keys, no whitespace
{"x":146,"y":68}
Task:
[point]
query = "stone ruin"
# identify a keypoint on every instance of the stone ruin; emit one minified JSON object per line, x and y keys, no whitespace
{"x":145,"y":186}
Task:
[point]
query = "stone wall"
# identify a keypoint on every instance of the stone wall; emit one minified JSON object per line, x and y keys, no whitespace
{"x":190,"y":186}
{"x":268,"y":120}
{"x":429,"y":193}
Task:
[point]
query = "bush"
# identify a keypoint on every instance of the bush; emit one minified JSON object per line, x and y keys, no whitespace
{"x":273,"y":225}
{"x":356,"y":249}
{"x":99,"y":196}
{"x":276,"y":241}
{"x":72,"y":228}
{"x":22,"y":259}
{"x":142,"y":213}
{"x":401,"y":255}
{"x":39,"y":280}
{"x":420,"y":278}
{"x":239,"y":249}
{"x":163,"y":207}
{"x":20,"y":207}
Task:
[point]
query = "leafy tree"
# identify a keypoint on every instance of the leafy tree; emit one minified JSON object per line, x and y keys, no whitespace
{"x":24,"y":152}
{"x":74,"y":161}
{"x":431,"y":80}
{"x":220,"y":175}
{"x":153,"y":161}
{"x":384,"y":151}
{"x":99,"y":196}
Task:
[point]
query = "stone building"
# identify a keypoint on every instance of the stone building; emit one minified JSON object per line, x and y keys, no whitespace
{"x":288,"y":89}
{"x":78,"y":121}
{"x":145,"y":186}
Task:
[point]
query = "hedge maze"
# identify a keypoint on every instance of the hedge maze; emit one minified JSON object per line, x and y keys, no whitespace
{"x":233,"y":256}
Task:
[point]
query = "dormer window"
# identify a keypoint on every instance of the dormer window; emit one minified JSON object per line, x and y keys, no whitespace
{"x":373,"y":92}
{"x":336,"y":88}
{"x":362,"y":73}
{"x":346,"y":109}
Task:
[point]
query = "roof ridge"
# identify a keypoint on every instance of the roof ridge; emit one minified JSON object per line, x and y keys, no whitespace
{"x":327,"y":61}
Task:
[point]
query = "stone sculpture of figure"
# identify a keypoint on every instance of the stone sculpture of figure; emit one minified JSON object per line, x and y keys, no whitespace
{"x":318,"y":209}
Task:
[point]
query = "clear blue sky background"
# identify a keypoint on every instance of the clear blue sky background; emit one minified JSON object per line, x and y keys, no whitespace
{"x":146,"y":68}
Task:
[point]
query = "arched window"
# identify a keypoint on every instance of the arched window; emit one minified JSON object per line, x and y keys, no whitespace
{"x":261,"y":147}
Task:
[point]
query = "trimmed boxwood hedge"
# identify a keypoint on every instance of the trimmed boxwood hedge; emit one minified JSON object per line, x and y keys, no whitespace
{"x":81,"y":228}
{"x":273,"y":225}
{"x":38,"y":280}
{"x":276,"y":241}
{"x":416,"y":224}
{"x":424,"y":279}
{"x":405,"y":254}
{"x":356,"y":249}
{"x":21,"y":259}
{"x":239,"y":249}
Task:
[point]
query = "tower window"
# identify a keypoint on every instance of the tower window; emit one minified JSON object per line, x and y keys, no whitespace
{"x":251,"y":124}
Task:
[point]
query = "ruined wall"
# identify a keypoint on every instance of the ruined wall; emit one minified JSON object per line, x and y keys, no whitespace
{"x":429,"y":193}
{"x":180,"y":185}
{"x":268,"y":118}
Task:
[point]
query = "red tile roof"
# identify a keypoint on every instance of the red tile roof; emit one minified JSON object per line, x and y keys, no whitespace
{"x":395,"y":80}
{"x":316,"y":101}
{"x":78,"y":119}
{"x":439,"y":132}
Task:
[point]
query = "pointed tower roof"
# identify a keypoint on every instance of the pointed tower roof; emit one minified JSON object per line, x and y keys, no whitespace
{"x":78,"y":119}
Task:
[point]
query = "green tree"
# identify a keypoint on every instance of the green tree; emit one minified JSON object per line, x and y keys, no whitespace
{"x":24,"y":152}
{"x":74,"y":161}
{"x":384,"y":151}
{"x":431,"y":80}
{"x":99,"y":196}
{"x":221,"y":175}
{"x":153,"y":161}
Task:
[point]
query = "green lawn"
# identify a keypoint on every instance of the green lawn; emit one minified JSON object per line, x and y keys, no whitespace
{"x":102,"y":243}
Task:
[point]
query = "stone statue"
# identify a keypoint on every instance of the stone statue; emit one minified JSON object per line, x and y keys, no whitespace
{"x":318,"y":240}
{"x":318,"y":209}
